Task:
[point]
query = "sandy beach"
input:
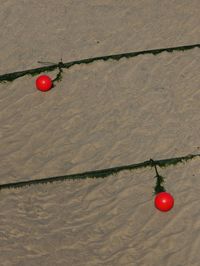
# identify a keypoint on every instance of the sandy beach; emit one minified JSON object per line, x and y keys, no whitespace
{"x":101,"y":115}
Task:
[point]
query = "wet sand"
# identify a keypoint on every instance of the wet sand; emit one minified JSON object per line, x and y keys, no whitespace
{"x":100,"y":115}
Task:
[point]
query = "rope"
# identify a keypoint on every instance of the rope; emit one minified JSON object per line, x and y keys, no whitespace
{"x":35,"y":71}
{"x":103,"y":172}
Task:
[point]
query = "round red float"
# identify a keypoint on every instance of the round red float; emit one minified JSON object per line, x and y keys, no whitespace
{"x":44,"y":83}
{"x":164,"y":201}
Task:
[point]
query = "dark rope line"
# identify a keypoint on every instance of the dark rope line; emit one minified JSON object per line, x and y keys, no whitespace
{"x":101,"y":173}
{"x":60,"y":65}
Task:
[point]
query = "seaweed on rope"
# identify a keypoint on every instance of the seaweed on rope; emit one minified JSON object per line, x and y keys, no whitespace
{"x":107,"y":172}
{"x":36,"y":71}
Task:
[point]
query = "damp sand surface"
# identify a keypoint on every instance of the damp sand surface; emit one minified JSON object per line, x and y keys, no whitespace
{"x":101,"y":115}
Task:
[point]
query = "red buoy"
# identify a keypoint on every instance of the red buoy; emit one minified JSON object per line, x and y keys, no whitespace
{"x":44,"y":83}
{"x":164,"y":201}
